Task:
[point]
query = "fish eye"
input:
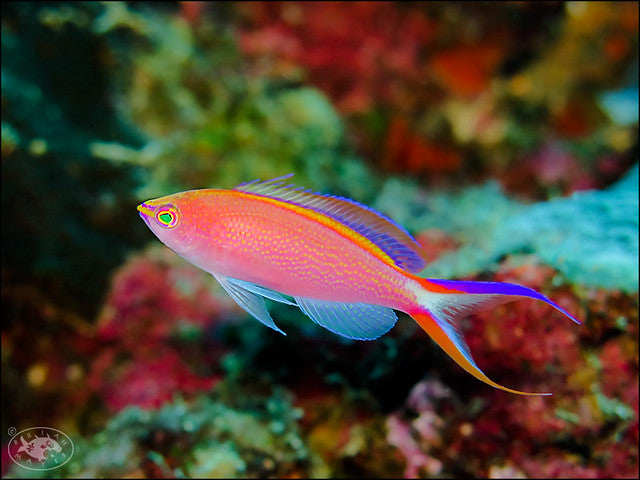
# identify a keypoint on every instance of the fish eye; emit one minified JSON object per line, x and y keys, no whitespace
{"x":168,"y":216}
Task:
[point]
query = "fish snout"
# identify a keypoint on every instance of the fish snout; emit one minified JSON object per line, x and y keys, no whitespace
{"x":145,"y":209}
{"x":146,"y":212}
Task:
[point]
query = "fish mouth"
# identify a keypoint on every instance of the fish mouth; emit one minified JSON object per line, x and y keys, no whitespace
{"x":146,"y":212}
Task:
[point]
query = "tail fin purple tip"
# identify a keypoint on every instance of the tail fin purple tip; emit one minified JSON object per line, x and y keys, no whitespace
{"x":442,"y":303}
{"x":499,"y":288}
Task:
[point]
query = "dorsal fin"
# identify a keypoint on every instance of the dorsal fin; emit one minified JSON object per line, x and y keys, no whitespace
{"x":391,"y":238}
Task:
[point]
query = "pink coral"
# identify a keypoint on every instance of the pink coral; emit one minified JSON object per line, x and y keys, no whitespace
{"x":417,"y":438}
{"x":400,"y":436}
{"x":550,"y":167}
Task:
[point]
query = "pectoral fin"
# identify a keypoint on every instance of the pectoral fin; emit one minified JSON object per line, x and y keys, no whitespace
{"x":251,"y":298}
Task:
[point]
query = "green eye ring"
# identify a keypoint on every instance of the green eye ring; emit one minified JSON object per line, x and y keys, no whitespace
{"x":168,"y":216}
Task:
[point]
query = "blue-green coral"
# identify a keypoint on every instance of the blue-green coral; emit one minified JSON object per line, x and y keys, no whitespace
{"x":591,"y":237}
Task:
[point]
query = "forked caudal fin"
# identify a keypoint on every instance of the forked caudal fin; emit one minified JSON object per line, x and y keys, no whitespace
{"x":442,"y":303}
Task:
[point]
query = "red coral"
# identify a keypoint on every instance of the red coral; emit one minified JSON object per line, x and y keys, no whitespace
{"x":466,"y":69}
{"x":619,"y":371}
{"x":192,"y":11}
{"x":527,"y":335}
{"x":575,"y":119}
{"x":554,"y":464}
{"x":150,"y":296}
{"x":619,"y":453}
{"x":354,"y":62}
{"x":527,"y":338}
{"x":406,"y":151}
{"x":150,"y":383}
{"x":523,"y":345}
{"x":143,"y":362}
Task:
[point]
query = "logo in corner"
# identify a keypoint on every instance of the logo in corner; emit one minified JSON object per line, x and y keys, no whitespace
{"x":40,"y":448}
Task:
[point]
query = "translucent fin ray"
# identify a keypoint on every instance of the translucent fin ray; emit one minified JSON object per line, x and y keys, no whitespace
{"x":484,"y":295}
{"x":248,"y":300}
{"x":260,"y":290}
{"x":359,"y":321}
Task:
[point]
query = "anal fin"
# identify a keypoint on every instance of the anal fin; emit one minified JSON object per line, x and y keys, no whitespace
{"x":359,"y":321}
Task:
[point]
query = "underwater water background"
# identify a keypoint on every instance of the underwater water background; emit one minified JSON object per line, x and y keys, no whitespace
{"x":503,"y":136}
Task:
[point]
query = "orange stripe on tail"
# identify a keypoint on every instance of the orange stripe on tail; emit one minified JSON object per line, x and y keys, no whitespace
{"x":453,"y":344}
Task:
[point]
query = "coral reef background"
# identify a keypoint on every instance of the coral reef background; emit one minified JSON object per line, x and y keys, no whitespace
{"x":503,"y":136}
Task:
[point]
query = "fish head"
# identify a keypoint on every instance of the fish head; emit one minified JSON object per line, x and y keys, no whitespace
{"x":179,"y":220}
{"x":165,"y":218}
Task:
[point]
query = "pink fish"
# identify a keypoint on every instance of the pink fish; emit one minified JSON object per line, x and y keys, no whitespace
{"x":345,"y":265}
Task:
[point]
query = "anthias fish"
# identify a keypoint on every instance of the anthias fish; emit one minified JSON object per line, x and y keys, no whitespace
{"x":343,"y":264}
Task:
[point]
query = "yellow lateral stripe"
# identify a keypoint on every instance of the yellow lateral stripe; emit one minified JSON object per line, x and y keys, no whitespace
{"x":327,"y":221}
